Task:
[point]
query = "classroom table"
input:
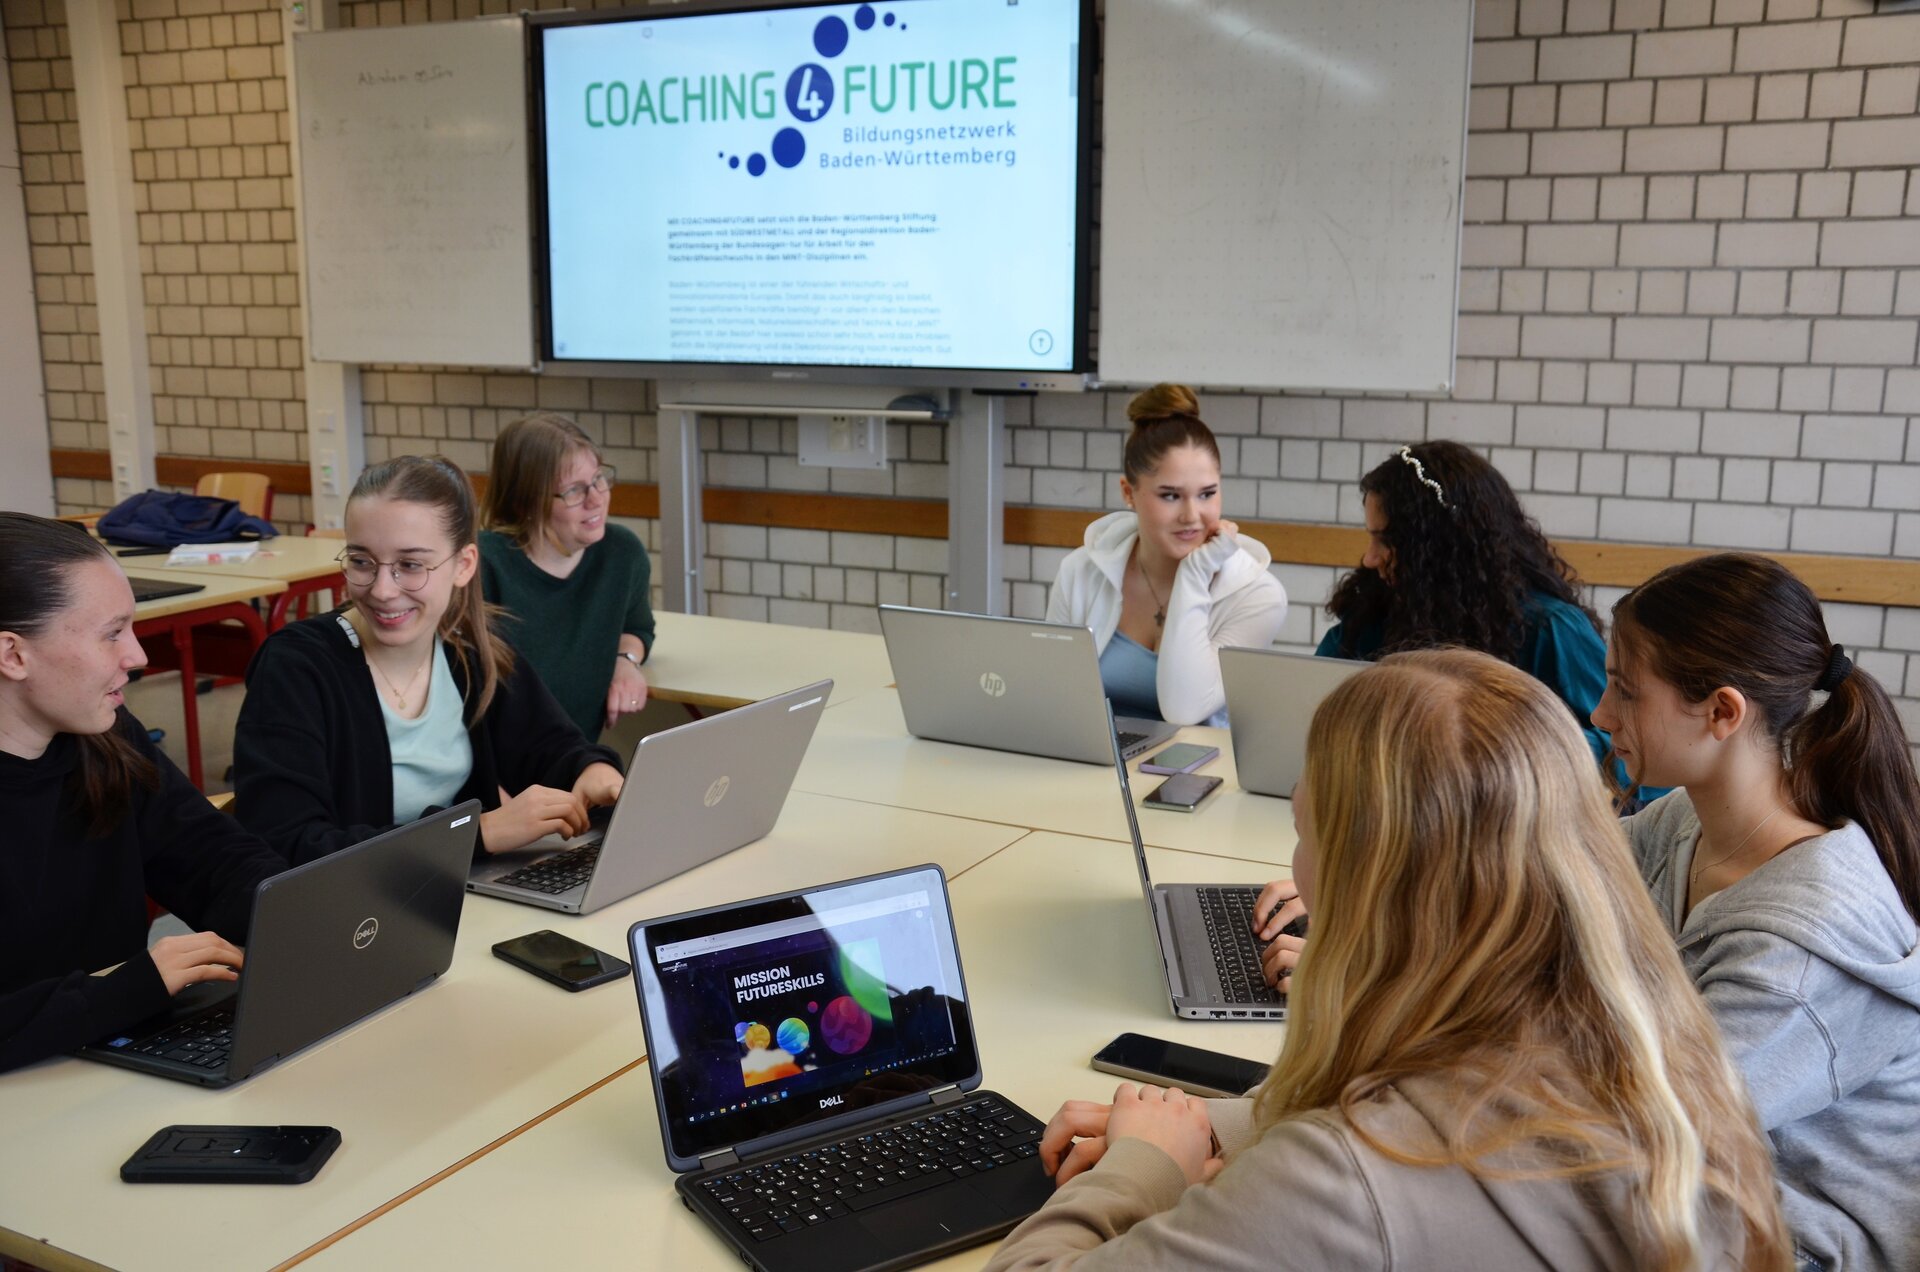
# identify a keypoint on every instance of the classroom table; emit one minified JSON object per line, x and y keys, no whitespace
{"x":719,"y":663}
{"x":1058,"y":956}
{"x":305,"y":565}
{"x":176,"y":617}
{"x":415,"y":1090}
{"x":863,"y":751}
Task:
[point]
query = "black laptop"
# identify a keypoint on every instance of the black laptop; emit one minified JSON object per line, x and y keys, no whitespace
{"x":156,"y":589}
{"x":331,"y":942}
{"x":814,"y":1064}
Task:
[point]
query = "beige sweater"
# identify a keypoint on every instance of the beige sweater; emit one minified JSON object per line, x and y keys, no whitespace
{"x":1310,"y":1194}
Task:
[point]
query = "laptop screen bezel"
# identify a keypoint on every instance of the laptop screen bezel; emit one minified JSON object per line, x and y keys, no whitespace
{"x":749,"y":1132}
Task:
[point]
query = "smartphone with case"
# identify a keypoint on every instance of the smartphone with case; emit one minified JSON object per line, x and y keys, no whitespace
{"x":231,"y":1155}
{"x":1183,"y":793}
{"x":566,"y":962}
{"x":1193,"y":1070}
{"x":1181,"y":757}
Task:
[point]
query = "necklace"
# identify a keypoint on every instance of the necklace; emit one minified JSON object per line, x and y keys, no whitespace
{"x":1693,"y":876}
{"x":399,"y":694}
{"x":1160,"y":606}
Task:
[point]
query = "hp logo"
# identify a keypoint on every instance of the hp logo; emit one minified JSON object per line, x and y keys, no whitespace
{"x":364,"y":934}
{"x":718,"y":791}
{"x":992,"y":685}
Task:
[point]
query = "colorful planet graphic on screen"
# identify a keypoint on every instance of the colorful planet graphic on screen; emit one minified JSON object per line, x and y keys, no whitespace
{"x":869,"y":992}
{"x":846,"y":1026}
{"x":754,"y":1036}
{"x":793,"y":1035}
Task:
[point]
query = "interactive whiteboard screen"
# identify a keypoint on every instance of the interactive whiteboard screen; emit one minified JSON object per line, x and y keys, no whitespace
{"x":891,"y":185}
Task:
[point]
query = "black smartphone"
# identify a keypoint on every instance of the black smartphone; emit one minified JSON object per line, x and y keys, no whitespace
{"x":1164,"y":1063}
{"x":231,"y":1155}
{"x":1182,"y":793}
{"x":562,"y":960}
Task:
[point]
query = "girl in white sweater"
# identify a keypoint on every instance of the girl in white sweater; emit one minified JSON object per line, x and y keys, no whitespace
{"x":1167,"y":583}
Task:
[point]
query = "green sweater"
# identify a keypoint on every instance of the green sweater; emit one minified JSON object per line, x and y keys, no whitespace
{"x":569,"y":629}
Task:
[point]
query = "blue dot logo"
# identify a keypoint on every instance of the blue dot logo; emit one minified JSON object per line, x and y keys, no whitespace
{"x":789,"y":147}
{"x":830,"y":37}
{"x":888,"y":19}
{"x":809,"y":92}
{"x":756,"y":164}
{"x":734,"y":162}
{"x":863,"y":17}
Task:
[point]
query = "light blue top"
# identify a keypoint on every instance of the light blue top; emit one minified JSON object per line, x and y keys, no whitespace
{"x":1129,"y":672}
{"x":432,"y":754}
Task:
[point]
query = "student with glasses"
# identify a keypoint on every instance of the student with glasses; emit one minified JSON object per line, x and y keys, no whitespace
{"x":576,"y":586}
{"x":97,"y":819}
{"x":406,"y":699}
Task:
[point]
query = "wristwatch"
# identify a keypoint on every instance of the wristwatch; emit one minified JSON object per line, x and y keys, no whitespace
{"x":631,"y":657}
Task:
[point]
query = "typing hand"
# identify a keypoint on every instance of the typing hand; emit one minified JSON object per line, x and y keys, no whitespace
{"x":195,"y":957}
{"x":534,"y":812}
{"x":1277,"y":906}
{"x":1075,"y":1139}
{"x":1172,"y":1121}
{"x":598,"y":785}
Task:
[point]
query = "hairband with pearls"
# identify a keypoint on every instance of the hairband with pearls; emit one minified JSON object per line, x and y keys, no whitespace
{"x":1420,"y":473}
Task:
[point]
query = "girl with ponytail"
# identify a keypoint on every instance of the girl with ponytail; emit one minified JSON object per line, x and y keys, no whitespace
{"x":1166,"y":583}
{"x":406,"y":699}
{"x":1788,"y":870}
{"x":97,"y":819}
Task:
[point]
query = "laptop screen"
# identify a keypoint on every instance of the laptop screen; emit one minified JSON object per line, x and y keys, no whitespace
{"x":770,"y":1015}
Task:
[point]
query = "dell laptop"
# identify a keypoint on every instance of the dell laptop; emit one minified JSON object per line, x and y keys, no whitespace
{"x":814,"y":1064}
{"x":692,"y":794}
{"x":1271,"y":698}
{"x":1205,"y":933}
{"x":331,"y":942}
{"x":1007,"y":683}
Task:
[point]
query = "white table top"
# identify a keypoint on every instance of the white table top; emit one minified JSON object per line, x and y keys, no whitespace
{"x":415,"y":1089}
{"x":214,"y":589}
{"x":863,"y":751}
{"x":1058,"y":955}
{"x":290,"y":558}
{"x":728,"y":662}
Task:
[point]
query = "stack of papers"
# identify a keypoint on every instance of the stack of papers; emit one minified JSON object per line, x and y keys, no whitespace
{"x":212,"y":553}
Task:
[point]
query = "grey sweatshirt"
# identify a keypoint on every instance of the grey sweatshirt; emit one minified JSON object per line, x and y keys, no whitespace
{"x":1810,"y":968}
{"x":1312,"y":1194}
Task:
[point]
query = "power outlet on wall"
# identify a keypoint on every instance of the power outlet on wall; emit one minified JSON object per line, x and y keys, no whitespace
{"x":843,"y":441}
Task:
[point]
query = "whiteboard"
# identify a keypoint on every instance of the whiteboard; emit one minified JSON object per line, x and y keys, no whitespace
{"x":413,"y":187}
{"x":1280,"y":203}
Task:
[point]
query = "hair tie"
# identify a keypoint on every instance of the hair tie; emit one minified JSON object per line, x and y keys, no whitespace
{"x":1420,"y":473}
{"x":1839,"y":667}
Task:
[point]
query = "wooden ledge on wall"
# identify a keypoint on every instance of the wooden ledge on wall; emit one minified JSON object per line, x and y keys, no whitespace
{"x":1851,"y":579}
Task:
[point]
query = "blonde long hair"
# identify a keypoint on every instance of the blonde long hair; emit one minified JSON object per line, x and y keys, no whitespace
{"x":1477,"y":913}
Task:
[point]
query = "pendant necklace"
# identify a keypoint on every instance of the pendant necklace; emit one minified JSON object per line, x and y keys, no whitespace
{"x":399,"y":694}
{"x":1160,"y":608}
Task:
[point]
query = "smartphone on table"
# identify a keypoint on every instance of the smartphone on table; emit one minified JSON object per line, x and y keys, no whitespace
{"x":1183,"y":792}
{"x":1181,"y":757}
{"x":231,"y":1155}
{"x":1172,"y":1064}
{"x":570,"y":964}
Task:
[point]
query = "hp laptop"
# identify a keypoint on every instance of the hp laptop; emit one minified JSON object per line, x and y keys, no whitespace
{"x":331,"y":942}
{"x":1007,"y":683}
{"x":157,"y":589}
{"x":692,"y":794}
{"x":1271,"y":698}
{"x":1207,"y":945}
{"x":814,"y":1064}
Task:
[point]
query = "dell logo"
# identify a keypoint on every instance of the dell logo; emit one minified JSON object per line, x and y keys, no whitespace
{"x":992,"y":685}
{"x":364,"y":934}
{"x":718,"y":791}
{"x":831,"y":1100}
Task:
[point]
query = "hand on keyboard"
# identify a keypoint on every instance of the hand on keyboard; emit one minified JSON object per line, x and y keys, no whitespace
{"x":536,"y":811}
{"x":195,"y":957}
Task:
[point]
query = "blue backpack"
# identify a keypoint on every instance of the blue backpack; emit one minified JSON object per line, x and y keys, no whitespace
{"x":163,"y":519}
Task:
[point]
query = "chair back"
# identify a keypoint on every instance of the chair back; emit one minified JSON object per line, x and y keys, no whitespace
{"x":252,"y":491}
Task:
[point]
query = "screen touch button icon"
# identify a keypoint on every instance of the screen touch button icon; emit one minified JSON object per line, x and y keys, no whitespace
{"x":1041,"y":342}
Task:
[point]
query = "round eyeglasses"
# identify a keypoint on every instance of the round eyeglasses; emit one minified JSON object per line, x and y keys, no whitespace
{"x":575,"y":495}
{"x":409,"y":573}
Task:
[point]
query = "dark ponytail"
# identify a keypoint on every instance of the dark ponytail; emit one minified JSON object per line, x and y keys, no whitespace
{"x":1745,"y":622}
{"x":37,"y":559}
{"x":468,"y":625}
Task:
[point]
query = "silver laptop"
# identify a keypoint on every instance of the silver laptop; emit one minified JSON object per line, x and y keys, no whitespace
{"x":1271,"y":698}
{"x":1205,"y":932}
{"x":1007,"y":683}
{"x":692,"y":794}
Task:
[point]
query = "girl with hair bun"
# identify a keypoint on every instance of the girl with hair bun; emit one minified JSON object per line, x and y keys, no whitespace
{"x":406,"y":698}
{"x":1788,"y":869}
{"x":1166,"y":583}
{"x":97,"y":819}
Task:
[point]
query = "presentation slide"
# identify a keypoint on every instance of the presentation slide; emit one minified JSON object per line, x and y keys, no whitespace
{"x":868,"y":185}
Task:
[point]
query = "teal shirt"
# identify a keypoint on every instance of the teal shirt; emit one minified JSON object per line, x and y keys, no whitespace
{"x":1130,"y":673}
{"x":569,"y":630}
{"x":1560,"y":649}
{"x":432,"y":754}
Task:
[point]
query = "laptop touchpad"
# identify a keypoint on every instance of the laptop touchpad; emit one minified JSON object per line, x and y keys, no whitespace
{"x":916,"y":1222}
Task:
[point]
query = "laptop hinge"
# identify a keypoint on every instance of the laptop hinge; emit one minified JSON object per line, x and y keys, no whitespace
{"x":719,"y":1161}
{"x":946,"y":1095}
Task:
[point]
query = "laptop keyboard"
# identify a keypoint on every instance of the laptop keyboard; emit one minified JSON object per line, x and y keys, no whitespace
{"x":1236,"y":951}
{"x":556,"y":874}
{"x":203,"y":1042}
{"x":1129,"y":740}
{"x":863,"y":1171}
